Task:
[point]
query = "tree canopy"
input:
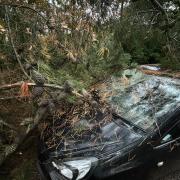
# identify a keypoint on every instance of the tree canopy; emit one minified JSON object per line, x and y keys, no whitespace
{"x":82,"y":40}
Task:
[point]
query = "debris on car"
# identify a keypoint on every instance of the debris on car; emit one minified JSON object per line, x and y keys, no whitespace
{"x":134,"y":119}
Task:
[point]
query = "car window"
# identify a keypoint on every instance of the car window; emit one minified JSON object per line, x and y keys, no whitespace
{"x":171,"y":135}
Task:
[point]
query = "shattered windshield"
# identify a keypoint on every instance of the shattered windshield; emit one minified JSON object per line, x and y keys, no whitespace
{"x":142,"y":99}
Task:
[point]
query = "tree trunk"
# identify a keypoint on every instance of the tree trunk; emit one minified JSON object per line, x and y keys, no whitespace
{"x":122,"y":9}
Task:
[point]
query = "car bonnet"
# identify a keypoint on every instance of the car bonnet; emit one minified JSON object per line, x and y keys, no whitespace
{"x":111,"y":137}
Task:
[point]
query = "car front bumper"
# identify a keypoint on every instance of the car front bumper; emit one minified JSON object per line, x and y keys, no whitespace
{"x":98,"y":171}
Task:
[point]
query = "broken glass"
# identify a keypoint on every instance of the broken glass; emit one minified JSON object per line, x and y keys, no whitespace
{"x":142,"y":99}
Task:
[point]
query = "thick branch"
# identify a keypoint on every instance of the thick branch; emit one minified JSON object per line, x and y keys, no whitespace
{"x":53,"y":86}
{"x":7,"y":86}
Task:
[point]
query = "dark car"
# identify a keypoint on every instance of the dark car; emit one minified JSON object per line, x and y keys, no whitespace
{"x":144,"y":129}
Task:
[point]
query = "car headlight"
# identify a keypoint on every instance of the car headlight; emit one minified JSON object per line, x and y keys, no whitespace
{"x":76,"y":169}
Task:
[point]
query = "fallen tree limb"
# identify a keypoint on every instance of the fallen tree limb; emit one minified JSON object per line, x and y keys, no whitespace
{"x":17,"y":84}
{"x":41,"y":114}
{"x":54,"y":86}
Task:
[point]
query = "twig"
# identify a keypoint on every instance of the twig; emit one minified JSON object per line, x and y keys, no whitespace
{"x":12,"y":43}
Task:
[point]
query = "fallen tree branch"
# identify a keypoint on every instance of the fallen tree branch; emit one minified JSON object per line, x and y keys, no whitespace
{"x":54,"y":86}
{"x":14,"y":85}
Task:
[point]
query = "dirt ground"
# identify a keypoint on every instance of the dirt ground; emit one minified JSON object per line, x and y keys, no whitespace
{"x":22,"y":164}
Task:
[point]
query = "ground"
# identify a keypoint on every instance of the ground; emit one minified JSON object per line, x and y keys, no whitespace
{"x":22,"y":164}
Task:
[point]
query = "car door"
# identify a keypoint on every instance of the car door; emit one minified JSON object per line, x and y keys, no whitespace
{"x":170,"y":140}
